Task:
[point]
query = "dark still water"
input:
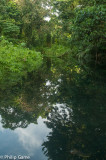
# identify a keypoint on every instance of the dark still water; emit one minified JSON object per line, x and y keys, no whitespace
{"x":54,"y":115}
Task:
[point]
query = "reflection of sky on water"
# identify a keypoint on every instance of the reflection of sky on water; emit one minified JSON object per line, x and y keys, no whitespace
{"x":62,"y":107}
{"x":26,"y":141}
{"x":33,"y":136}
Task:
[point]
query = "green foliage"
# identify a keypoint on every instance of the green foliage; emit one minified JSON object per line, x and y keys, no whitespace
{"x":16,"y":61}
{"x":33,"y":14}
{"x":77,"y":24}
{"x":10,"y":29}
{"x":83,"y":25}
{"x":10,"y":20}
{"x":88,"y":36}
{"x":56,"y":50}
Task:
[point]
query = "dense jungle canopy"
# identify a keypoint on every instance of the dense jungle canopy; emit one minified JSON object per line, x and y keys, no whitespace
{"x":65,"y":29}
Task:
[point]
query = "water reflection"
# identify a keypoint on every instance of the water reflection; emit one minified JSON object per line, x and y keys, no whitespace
{"x":22,"y":105}
{"x":32,"y":137}
{"x":60,"y":114}
{"x":26,"y":141}
{"x":78,"y":133}
{"x":74,"y":137}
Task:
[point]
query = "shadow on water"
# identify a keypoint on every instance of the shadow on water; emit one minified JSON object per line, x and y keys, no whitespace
{"x":73,"y":104}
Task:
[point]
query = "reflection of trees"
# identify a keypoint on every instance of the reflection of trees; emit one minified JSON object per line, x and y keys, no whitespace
{"x":57,"y":147}
{"x":78,"y":129}
{"x":82,"y":134}
{"x":23,"y":104}
{"x":14,"y":117}
{"x":74,"y":139}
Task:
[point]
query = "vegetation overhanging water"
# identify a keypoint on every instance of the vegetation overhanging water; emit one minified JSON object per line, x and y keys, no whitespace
{"x":52,"y":80}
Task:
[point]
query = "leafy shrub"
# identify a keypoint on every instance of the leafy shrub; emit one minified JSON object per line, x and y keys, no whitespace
{"x":16,"y":61}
